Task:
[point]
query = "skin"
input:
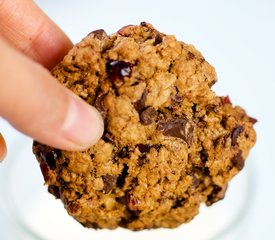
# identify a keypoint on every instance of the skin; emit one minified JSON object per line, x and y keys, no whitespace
{"x":30,"y":98}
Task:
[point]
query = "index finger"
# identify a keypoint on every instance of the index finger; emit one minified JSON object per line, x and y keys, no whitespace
{"x":30,"y":30}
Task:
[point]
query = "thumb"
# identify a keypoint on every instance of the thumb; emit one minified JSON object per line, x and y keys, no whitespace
{"x":37,"y":105}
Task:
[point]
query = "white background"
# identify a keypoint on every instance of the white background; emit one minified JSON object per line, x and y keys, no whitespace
{"x":237,"y":37}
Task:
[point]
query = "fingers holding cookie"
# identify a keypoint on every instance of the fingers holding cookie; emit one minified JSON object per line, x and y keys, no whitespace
{"x":26,"y":27}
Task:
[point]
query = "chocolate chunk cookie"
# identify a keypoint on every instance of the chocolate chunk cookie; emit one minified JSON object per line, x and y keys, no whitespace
{"x":170,"y":144}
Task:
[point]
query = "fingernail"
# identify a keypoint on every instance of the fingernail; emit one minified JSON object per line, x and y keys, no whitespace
{"x":3,"y":148}
{"x":83,"y":125}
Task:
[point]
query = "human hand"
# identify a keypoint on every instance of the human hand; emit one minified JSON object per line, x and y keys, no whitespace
{"x":30,"y":98}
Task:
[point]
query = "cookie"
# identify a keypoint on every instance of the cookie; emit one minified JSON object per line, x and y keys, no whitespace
{"x":170,"y":144}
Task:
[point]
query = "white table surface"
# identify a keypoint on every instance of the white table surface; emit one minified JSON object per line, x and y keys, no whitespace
{"x":237,"y":37}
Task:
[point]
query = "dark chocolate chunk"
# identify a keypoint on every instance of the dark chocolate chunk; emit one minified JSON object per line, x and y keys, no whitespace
{"x":122,"y":177}
{"x":132,"y":202}
{"x":194,"y":108}
{"x":238,"y":161}
{"x":143,"y":24}
{"x":54,"y":190}
{"x":108,"y":137}
{"x":99,"y":104}
{"x":157,"y":147}
{"x":140,"y":104}
{"x":99,"y":34}
{"x":124,"y":152}
{"x":143,"y":148}
{"x":45,"y":171}
{"x":179,"y":203}
{"x":203,"y":156}
{"x":201,"y":170}
{"x":109,"y":182}
{"x":51,"y":157}
{"x":89,"y":224}
{"x":158,"y":38}
{"x":217,"y":194}
{"x":177,"y":127}
{"x":79,"y":81}
{"x":206,"y":171}
{"x":134,"y":83}
{"x":131,"y":216}
{"x":120,"y":200}
{"x":224,"y":122}
{"x":235,"y":134}
{"x":117,"y":70}
{"x":134,"y":181}
{"x":148,"y":116}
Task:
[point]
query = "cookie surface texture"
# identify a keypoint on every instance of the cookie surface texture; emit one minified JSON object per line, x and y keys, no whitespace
{"x":170,"y":144}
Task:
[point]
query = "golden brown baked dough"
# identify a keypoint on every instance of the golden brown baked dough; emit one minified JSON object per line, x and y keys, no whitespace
{"x":169,"y":144}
